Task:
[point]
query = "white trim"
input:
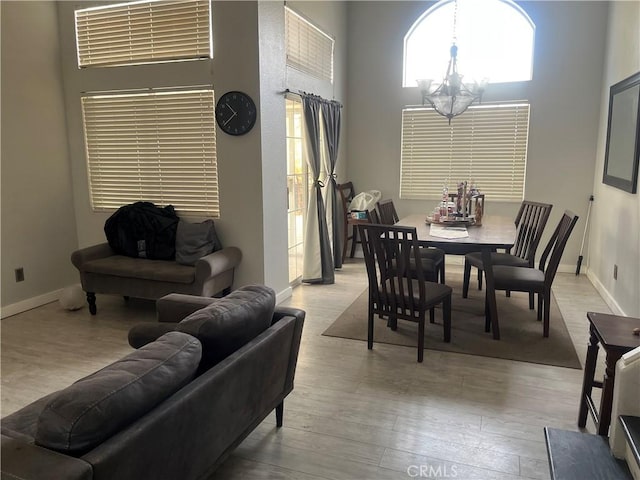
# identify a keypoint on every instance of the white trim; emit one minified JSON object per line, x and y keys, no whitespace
{"x":30,"y":303}
{"x":284,"y":295}
{"x":604,"y":293}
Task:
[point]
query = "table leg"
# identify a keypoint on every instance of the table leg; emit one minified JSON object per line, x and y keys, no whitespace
{"x":589,"y":373}
{"x":606,"y":401}
{"x":492,"y":307}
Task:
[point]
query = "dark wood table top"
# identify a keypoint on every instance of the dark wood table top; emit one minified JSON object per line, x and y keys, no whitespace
{"x":495,"y":232}
{"x":615,"y":331}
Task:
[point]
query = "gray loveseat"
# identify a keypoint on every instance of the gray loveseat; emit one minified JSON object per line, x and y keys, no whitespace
{"x":104,"y":271}
{"x":171,"y":409}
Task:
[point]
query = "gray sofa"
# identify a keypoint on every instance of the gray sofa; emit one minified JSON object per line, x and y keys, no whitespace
{"x":169,"y":410}
{"x":104,"y":271}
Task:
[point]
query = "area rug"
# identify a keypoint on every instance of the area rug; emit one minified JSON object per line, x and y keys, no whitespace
{"x":520,"y":333}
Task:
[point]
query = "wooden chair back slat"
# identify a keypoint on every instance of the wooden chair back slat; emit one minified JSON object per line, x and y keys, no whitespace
{"x":530,"y":221}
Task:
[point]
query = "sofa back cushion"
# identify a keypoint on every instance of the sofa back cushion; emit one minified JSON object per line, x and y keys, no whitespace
{"x":86,"y":413}
{"x":230,"y":322}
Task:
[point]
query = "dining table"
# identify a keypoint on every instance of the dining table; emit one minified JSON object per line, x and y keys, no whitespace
{"x":456,"y":238}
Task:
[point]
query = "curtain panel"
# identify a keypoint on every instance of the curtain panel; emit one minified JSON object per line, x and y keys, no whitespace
{"x":318,"y":258}
{"x":331,"y":122}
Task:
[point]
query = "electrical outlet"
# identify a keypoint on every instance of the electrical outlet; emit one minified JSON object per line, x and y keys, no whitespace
{"x":615,"y":272}
{"x":19,"y":274}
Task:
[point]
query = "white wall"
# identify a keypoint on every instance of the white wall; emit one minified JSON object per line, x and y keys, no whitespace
{"x":615,"y":230}
{"x":38,"y":224}
{"x":44,"y":183}
{"x":568,"y":65}
{"x":274,"y":153}
{"x":566,"y":157}
{"x":234,"y":67}
{"x":248,"y":56}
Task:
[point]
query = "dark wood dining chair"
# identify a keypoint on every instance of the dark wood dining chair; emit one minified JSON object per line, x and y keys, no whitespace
{"x":347,"y":192}
{"x":398,"y":289}
{"x":530,"y":222}
{"x":387,"y":212}
{"x":472,"y":203}
{"x":389,"y":216}
{"x":535,"y":280}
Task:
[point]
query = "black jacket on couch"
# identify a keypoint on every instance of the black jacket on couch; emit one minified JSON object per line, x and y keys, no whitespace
{"x":189,"y":415}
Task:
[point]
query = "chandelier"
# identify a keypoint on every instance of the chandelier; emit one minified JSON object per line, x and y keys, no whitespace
{"x":452,"y":97}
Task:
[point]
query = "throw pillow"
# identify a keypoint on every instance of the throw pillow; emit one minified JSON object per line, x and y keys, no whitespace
{"x":86,"y":413}
{"x":195,"y":240}
{"x":230,"y":322}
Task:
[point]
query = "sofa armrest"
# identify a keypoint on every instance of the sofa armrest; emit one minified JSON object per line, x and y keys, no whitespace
{"x":177,"y":306}
{"x":284,"y":312}
{"x":281,"y":312}
{"x":143,"y":333}
{"x":80,"y":257}
{"x":217,"y":262}
{"x":22,"y":460}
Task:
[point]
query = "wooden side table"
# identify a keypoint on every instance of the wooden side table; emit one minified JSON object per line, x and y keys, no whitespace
{"x":615,"y":334}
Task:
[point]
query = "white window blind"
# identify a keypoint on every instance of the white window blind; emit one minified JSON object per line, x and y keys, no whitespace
{"x":487,"y":145}
{"x":143,"y":32}
{"x":308,"y":48}
{"x":157,"y":147}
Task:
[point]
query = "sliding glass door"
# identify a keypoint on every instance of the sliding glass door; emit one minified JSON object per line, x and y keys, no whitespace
{"x":298,"y":183}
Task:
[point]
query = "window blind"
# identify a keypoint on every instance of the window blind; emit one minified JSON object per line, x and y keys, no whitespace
{"x":486,"y":145}
{"x":143,"y":32}
{"x":308,"y":48}
{"x":157,"y":147}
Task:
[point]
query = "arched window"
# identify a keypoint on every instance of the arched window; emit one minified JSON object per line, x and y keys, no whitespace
{"x":494,"y":37}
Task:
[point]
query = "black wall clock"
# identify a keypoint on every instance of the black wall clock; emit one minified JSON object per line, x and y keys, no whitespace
{"x":236,"y":113}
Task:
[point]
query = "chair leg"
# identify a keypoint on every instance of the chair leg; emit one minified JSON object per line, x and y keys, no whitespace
{"x":442,"y":271}
{"x":465,"y":280}
{"x":432,"y":315}
{"x":370,"y":330}
{"x":345,"y":240}
{"x":487,"y":316}
{"x":279,"y":414}
{"x":508,"y":293}
{"x":547,"y":311}
{"x":531,"y":300}
{"x":446,"y":318}
{"x":354,"y":240}
{"x":540,"y":306}
{"x":91,"y":300}
{"x":479,"y":279}
{"x":421,"y":339}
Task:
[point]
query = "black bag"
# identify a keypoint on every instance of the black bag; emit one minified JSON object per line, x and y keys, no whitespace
{"x":143,"y":230}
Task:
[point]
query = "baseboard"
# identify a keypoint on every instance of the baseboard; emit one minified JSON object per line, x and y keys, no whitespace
{"x":564,"y":268}
{"x":604,"y":293}
{"x":30,"y":303}
{"x":45,"y":298}
{"x":283,"y":295}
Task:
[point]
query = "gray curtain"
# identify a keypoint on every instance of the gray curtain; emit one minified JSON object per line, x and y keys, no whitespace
{"x":331,"y":122}
{"x":318,"y":260}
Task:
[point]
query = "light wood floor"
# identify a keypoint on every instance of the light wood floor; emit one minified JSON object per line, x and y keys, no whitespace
{"x":354,"y":413}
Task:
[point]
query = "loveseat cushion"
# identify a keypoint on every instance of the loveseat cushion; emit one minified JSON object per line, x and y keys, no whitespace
{"x":195,"y":240}
{"x":86,"y":413}
{"x":143,"y":268}
{"x":230,"y":322}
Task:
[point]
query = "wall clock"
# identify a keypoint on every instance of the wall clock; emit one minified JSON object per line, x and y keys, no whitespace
{"x":236,"y":113}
